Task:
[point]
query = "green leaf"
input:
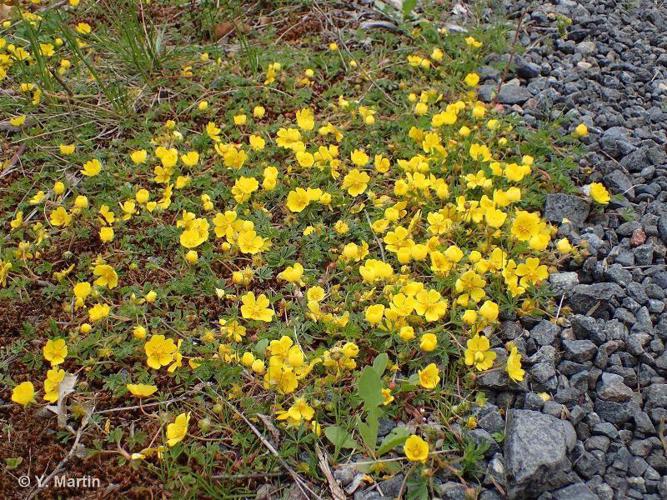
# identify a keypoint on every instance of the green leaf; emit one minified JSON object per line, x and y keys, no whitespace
{"x":408,"y":7}
{"x":380,"y":363}
{"x":13,"y":462}
{"x":369,"y":429}
{"x":369,"y":386}
{"x":417,"y":487}
{"x":395,"y":438}
{"x":340,"y":438}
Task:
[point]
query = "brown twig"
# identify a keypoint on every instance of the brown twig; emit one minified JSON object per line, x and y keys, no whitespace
{"x":336,"y":491}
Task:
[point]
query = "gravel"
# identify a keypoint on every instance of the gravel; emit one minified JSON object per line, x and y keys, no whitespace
{"x":604,"y":368}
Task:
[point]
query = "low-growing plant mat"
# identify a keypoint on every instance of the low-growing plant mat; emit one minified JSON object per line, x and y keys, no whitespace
{"x":247,"y":249}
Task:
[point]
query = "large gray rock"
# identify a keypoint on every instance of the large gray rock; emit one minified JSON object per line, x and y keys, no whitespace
{"x":584,"y":297}
{"x":513,"y":94}
{"x":536,"y":451}
{"x":565,"y":206}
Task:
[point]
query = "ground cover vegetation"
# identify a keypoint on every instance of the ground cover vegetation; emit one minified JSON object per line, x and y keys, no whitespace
{"x":239,"y":243}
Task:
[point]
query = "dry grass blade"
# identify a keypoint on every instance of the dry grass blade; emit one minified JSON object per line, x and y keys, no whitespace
{"x":336,"y":491}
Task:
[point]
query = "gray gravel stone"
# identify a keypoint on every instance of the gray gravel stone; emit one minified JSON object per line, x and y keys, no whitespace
{"x":579,"y":350}
{"x":584,"y":297}
{"x":513,"y":94}
{"x":612,"y":388}
{"x":565,"y":206}
{"x":536,"y":450}
{"x":563,"y":283}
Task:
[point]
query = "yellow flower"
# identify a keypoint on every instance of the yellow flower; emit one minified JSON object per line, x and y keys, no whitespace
{"x":159,"y":351}
{"x":431,"y":305}
{"x":581,"y":130}
{"x":258,"y":111}
{"x":195,"y":233}
{"x":55,"y":351}
{"x":60,"y":217}
{"x":297,"y":200}
{"x":17,"y":221}
{"x":359,"y":158}
{"x":478,"y":353}
{"x":17,"y":121}
{"x":24,"y":393}
{"x":356,"y":182}
{"x":142,"y":196}
{"x":83,"y":28}
{"x":177,"y":430}
{"x":81,"y":202}
{"x":525,"y":225}
{"x":37,"y":199}
{"x":138,"y":157}
{"x":387,"y":397}
{"x":428,"y":342}
{"x":106,"y":234}
{"x":81,"y":292}
{"x":305,"y":159}
{"x":4,"y":272}
{"x":191,"y":257}
{"x":416,"y":449}
{"x":52,"y":384}
{"x":531,"y":272}
{"x":141,"y":390}
{"x":249,"y":242}
{"x":91,"y":168}
{"x":406,"y":333}
{"x":305,"y":119}
{"x":213,"y":131}
{"x":98,"y":312}
{"x":256,"y":308}
{"x":300,"y":411}
{"x":489,"y":311}
{"x":429,"y":377}
{"x":67,"y":149}
{"x":292,"y":274}
{"x":243,"y":188}
{"x":513,"y":368}
{"x":374,"y":314}
{"x":190,"y":159}
{"x":471,"y":79}
{"x":106,"y":276}
{"x":563,"y":245}
{"x":256,"y":142}
{"x":599,"y":193}
{"x":139,"y":332}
